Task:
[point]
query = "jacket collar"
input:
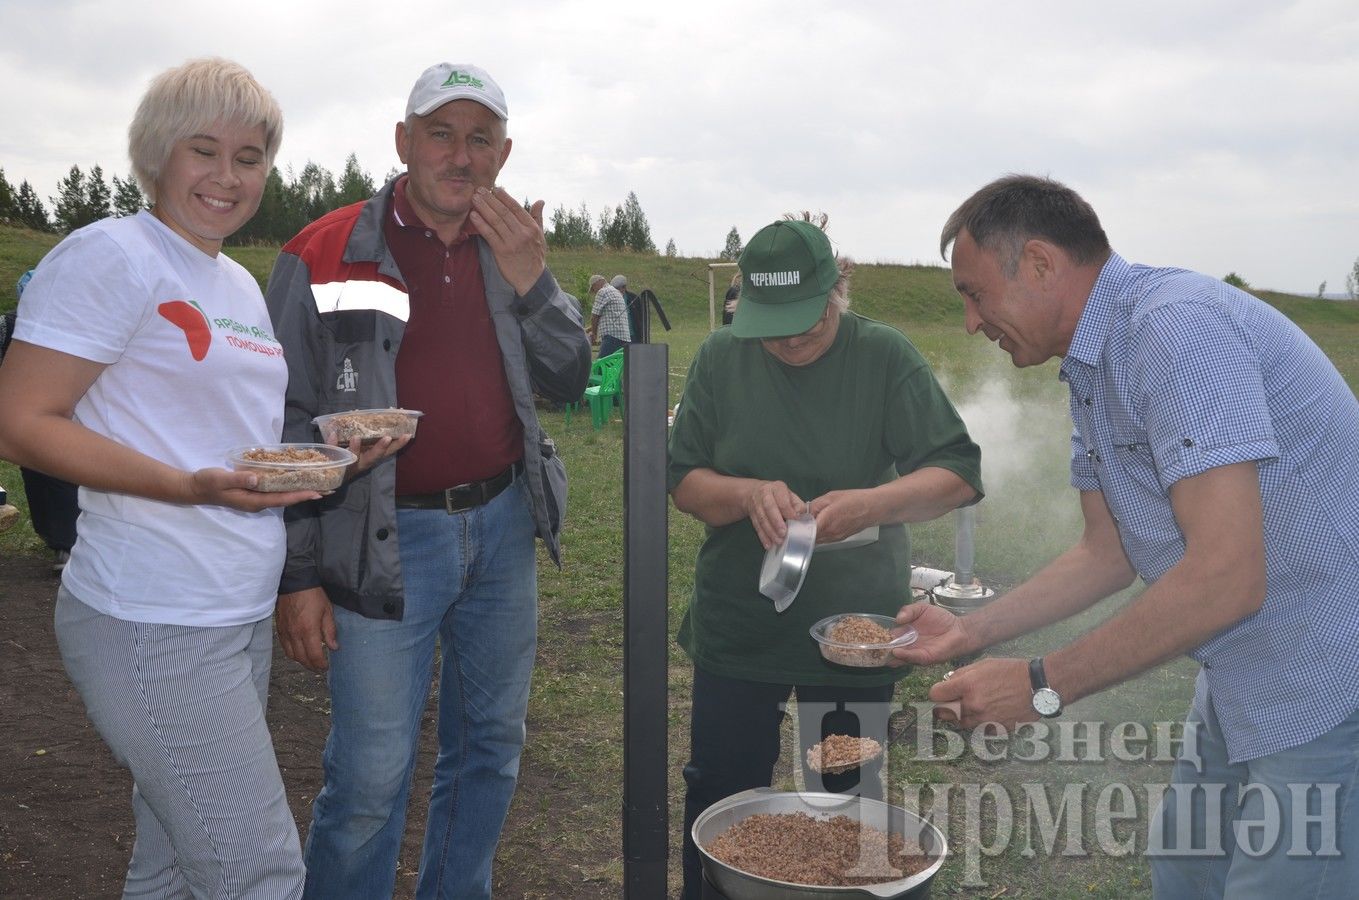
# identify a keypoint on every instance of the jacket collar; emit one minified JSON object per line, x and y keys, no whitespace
{"x":366,"y":241}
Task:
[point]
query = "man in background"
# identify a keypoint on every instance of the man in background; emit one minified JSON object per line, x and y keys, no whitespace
{"x":433,"y":295}
{"x":636,"y":308}
{"x":608,"y":317}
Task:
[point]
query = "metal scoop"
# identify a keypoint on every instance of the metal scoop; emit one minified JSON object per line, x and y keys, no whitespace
{"x":785,"y":564}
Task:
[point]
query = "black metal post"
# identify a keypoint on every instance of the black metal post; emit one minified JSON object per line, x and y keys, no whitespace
{"x":646,"y":839}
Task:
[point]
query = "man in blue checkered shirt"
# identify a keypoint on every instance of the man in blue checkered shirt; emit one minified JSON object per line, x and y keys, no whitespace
{"x":1216,"y":451}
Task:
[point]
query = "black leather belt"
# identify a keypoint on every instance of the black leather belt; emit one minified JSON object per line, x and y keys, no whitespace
{"x":463,"y":496}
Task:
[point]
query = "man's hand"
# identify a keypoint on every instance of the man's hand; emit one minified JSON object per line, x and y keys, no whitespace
{"x":515,"y":236}
{"x":940,"y":635}
{"x":990,"y":690}
{"x":306,"y":627}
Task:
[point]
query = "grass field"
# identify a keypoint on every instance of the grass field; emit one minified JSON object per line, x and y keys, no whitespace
{"x":1001,"y":813}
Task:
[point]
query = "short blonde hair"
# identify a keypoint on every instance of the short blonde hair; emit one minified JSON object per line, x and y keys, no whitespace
{"x":185,"y":100}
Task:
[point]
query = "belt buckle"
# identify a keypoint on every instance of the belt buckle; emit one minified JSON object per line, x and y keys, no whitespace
{"x":480,"y":487}
{"x":448,"y":496}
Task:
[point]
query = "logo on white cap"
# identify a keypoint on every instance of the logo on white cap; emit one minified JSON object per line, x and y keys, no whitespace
{"x":457,"y":77}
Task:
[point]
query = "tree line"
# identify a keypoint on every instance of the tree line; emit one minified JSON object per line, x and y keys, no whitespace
{"x":623,"y":228}
{"x":291,"y":201}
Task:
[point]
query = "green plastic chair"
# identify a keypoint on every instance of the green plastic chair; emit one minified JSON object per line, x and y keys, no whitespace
{"x":609,"y":390}
{"x":596,"y":376}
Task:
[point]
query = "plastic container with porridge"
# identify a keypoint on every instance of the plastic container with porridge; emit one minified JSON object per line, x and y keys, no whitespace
{"x":368,"y":425}
{"x":293,"y":467}
{"x":862,"y":640}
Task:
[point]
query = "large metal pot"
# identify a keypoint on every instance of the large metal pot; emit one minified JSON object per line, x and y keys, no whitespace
{"x":739,"y":885}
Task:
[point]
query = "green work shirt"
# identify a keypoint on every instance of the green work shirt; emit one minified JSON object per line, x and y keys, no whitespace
{"x":868,"y":410}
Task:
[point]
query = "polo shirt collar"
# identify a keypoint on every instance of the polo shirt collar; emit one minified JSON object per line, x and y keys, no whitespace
{"x":1092,"y":329}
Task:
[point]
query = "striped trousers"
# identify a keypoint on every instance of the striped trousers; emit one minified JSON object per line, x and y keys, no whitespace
{"x":182,"y":707}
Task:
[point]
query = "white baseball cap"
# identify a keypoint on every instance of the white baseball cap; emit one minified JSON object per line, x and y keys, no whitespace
{"x":443,"y":82}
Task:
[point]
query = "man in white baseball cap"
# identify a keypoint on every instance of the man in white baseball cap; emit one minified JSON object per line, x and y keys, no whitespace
{"x":448,"y":269}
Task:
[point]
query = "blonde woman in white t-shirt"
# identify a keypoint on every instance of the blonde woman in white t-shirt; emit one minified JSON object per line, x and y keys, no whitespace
{"x":142,"y":355}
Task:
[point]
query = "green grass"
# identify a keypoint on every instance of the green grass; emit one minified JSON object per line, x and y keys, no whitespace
{"x":566,"y":815}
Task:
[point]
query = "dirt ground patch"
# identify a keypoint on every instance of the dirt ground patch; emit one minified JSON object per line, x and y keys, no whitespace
{"x":65,"y":814}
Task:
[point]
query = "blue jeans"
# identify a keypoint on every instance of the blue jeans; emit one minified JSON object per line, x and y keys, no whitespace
{"x":470,"y":582}
{"x":608,"y":344}
{"x":1307,"y":792}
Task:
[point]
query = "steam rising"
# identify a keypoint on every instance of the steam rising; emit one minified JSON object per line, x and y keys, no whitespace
{"x":1030,"y":514}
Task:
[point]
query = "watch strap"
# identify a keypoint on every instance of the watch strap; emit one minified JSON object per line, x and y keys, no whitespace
{"x":1037,"y":677}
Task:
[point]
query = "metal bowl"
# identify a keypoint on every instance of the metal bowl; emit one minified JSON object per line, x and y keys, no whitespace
{"x":737,"y":884}
{"x":785,"y":563}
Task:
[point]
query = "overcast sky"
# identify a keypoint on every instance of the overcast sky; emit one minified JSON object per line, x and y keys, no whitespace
{"x":1219,"y":135}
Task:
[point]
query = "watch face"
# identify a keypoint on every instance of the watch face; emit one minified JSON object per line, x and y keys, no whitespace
{"x":1046,"y":702}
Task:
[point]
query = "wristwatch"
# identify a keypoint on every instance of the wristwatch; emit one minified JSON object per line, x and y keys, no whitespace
{"x":1046,"y":702}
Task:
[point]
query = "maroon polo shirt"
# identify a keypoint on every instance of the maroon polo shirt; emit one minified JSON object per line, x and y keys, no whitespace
{"x":449,"y":365}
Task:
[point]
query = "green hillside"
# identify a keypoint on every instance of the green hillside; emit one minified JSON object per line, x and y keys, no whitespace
{"x":20,"y":250}
{"x":918,"y":295}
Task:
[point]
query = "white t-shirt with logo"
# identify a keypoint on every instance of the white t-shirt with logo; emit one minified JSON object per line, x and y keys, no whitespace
{"x":193,"y":371}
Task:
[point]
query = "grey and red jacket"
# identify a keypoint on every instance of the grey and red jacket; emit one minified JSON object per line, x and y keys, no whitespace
{"x":339,"y":308}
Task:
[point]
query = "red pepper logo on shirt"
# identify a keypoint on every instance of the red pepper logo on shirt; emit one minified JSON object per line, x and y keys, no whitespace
{"x":189,"y":318}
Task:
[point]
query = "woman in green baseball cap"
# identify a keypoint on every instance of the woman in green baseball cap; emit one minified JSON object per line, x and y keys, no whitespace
{"x":800,"y":405}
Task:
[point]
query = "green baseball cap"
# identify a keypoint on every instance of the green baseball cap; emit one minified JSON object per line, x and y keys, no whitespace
{"x":787,"y":272}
